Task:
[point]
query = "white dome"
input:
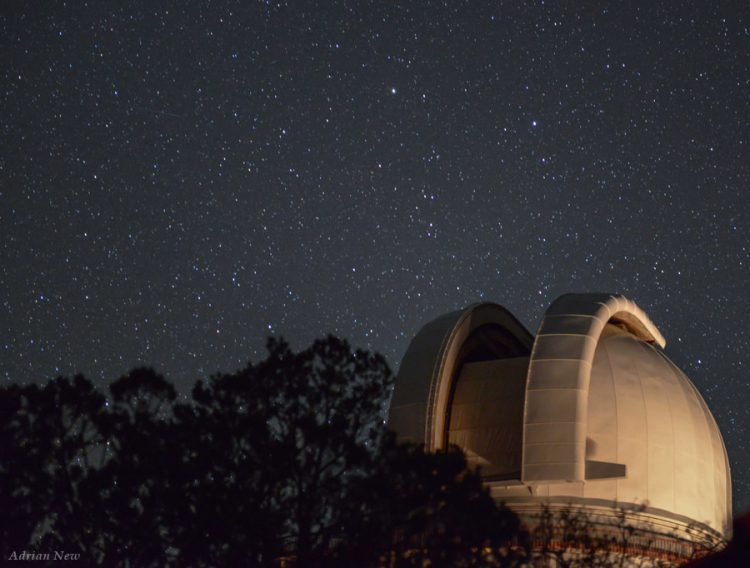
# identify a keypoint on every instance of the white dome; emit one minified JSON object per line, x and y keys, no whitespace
{"x":589,"y":412}
{"x":644,"y":412}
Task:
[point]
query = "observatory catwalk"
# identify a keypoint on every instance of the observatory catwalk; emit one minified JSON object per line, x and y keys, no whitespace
{"x":590,"y":414}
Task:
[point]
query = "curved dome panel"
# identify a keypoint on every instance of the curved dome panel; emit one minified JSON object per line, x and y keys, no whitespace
{"x":645,"y":413}
{"x":435,"y":356}
{"x":554,"y":442}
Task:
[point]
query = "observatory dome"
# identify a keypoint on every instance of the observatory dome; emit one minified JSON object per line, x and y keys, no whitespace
{"x":589,"y":412}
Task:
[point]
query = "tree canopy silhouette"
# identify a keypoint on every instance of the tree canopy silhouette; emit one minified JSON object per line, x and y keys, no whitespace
{"x":287,"y":460}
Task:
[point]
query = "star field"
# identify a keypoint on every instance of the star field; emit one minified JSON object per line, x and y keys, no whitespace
{"x":180,"y":180}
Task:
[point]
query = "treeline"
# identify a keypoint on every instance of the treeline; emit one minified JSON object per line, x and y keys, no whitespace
{"x":286,"y":462}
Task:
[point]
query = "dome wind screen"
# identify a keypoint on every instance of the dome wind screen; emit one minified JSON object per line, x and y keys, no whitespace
{"x":486,"y":415}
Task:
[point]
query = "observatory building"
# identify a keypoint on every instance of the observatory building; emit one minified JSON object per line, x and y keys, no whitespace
{"x":589,"y":414}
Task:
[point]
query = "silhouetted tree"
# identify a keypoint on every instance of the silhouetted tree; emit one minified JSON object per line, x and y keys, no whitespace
{"x":288,"y":457}
{"x":296,"y":428}
{"x":141,"y":462}
{"x":47,"y":436}
{"x":427,"y":509}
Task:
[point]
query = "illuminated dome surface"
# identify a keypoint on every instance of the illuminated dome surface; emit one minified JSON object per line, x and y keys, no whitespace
{"x":644,"y":413}
{"x":589,"y":412}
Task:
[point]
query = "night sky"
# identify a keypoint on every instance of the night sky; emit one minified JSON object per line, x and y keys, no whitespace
{"x":178,"y":180}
